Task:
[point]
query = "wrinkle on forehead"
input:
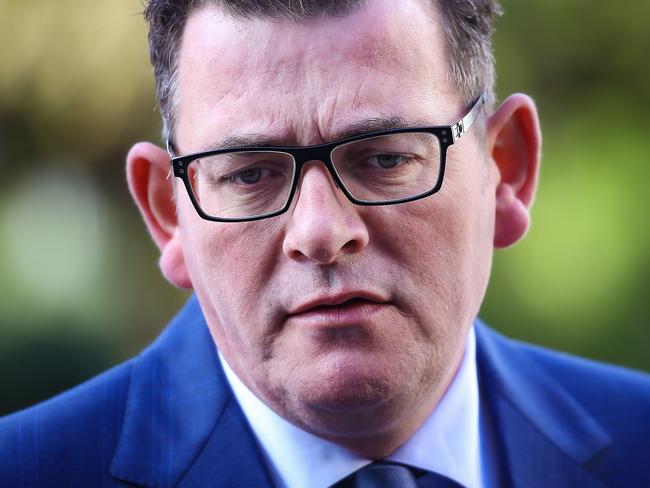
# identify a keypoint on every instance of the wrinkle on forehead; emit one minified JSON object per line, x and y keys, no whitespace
{"x":302,"y":78}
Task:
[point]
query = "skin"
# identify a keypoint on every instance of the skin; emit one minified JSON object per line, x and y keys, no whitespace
{"x":398,"y":286}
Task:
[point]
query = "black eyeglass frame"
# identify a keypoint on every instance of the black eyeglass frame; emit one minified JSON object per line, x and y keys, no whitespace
{"x":446,"y":134}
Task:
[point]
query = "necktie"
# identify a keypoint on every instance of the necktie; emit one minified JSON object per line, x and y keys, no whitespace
{"x":392,"y":475}
{"x":384,"y":475}
{"x":379,"y":475}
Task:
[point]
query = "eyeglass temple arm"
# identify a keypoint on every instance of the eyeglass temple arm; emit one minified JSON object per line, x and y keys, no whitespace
{"x":170,"y":148}
{"x":463,"y":125}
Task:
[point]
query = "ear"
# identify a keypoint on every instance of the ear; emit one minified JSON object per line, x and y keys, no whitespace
{"x":150,"y":183}
{"x":514,"y":142}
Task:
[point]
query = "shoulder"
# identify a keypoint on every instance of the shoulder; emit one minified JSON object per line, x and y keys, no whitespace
{"x":142,"y":422}
{"x":617,"y":397}
{"x":82,"y":424}
{"x":574,"y":402}
{"x":595,"y":385}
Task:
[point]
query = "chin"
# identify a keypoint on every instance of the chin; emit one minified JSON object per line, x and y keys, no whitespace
{"x":353,"y":410}
{"x":350,"y":384}
{"x":350,"y":395}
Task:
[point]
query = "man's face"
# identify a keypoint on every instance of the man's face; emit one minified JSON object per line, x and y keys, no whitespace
{"x":349,"y":321}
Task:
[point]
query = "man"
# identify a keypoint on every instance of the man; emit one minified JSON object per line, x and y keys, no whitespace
{"x":340,"y":178}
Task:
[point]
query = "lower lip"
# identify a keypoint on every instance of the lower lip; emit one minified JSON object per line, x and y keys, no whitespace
{"x":356,"y":313}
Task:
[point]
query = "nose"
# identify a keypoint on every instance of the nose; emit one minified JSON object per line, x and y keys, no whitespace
{"x":324,"y":225}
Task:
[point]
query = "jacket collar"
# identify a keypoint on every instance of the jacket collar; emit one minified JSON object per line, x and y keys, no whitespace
{"x":546,"y":437}
{"x":182,"y":425}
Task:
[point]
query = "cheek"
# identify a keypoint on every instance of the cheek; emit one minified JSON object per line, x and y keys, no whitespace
{"x":443,"y":246}
{"x":228,"y":293}
{"x":230,"y":265}
{"x":473,"y":226}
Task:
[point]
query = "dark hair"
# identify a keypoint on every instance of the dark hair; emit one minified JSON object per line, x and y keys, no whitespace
{"x":467,"y":24}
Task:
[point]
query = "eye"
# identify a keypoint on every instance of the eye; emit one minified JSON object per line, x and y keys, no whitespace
{"x":389,"y":160}
{"x":248,"y":176}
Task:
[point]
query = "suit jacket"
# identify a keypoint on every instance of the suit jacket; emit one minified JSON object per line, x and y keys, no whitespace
{"x":168,"y":418}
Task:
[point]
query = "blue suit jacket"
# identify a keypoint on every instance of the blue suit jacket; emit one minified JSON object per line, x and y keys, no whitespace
{"x":168,"y":418}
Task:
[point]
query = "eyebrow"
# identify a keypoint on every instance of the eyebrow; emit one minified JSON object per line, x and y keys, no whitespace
{"x":358,"y":128}
{"x":374,"y":125}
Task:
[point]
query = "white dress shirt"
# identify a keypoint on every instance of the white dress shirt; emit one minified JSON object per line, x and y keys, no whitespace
{"x":448,"y":442}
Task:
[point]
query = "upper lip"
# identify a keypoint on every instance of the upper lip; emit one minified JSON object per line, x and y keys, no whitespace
{"x":333,"y":300}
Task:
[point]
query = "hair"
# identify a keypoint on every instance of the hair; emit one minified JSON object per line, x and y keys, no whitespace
{"x":467,"y":26}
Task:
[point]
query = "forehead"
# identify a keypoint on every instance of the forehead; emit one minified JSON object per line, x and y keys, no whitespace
{"x":300,"y":81}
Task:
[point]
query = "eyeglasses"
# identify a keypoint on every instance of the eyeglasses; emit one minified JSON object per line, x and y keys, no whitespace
{"x":377,"y":168}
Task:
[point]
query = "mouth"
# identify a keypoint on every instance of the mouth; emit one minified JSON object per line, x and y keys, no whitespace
{"x":338,"y":311}
{"x":347,"y":305}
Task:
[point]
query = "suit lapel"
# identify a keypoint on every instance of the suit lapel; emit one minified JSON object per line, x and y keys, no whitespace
{"x":181,"y":421}
{"x":531,"y":459}
{"x":546,"y":438}
{"x":230,"y":457}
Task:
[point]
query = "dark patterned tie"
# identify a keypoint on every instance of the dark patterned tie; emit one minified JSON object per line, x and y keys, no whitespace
{"x":391,"y":475}
{"x":384,"y":475}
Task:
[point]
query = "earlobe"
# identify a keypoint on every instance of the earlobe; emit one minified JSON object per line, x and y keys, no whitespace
{"x":147,"y":168}
{"x":172,"y":263}
{"x":514,"y":142}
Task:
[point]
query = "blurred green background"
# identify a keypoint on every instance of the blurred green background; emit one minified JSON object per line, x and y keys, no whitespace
{"x":80,"y":288}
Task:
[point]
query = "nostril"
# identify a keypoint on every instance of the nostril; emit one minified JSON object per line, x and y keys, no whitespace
{"x":353,"y":246}
{"x":296,"y":254}
{"x":319,"y":255}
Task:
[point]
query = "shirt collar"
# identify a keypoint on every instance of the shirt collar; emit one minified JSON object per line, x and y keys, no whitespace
{"x":448,"y":442}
